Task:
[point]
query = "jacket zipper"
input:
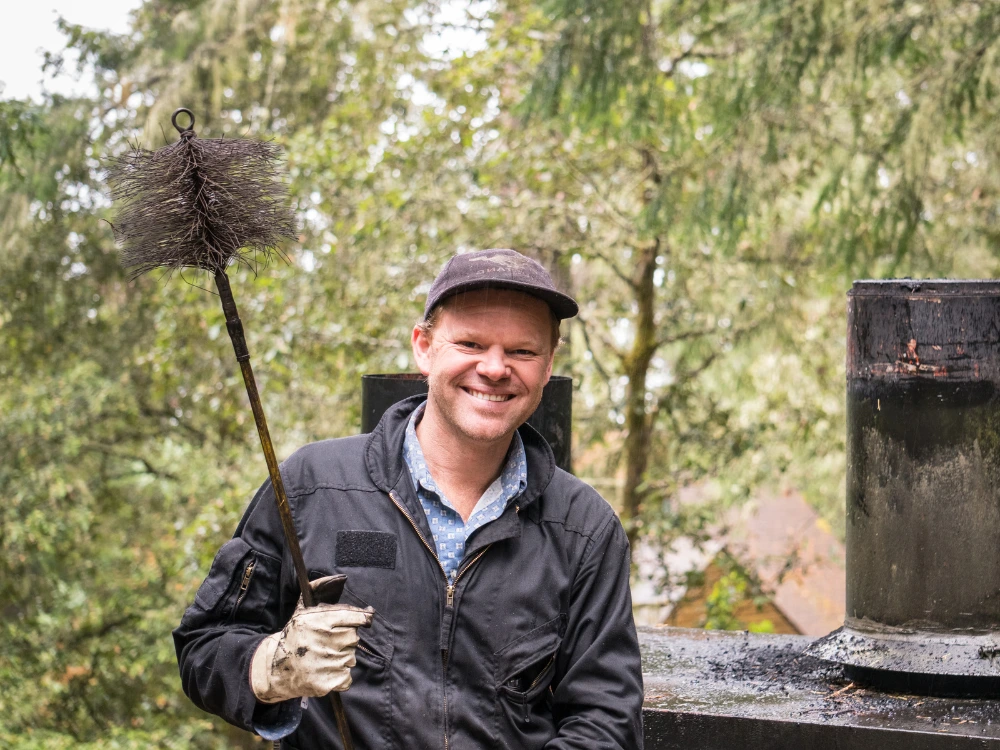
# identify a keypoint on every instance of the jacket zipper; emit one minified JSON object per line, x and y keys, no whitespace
{"x":523,"y":699}
{"x":245,"y":583}
{"x":449,"y":589}
{"x":473,"y":561}
{"x":396,"y":502}
{"x":444,"y":692}
{"x":444,"y":653}
{"x":541,"y":674}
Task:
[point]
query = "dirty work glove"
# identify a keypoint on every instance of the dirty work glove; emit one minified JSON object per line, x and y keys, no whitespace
{"x":312,"y":656}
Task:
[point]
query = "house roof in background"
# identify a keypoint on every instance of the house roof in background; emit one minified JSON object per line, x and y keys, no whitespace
{"x":777,"y":537}
{"x":796,"y":556}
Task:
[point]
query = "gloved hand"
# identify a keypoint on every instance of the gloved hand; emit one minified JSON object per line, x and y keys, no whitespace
{"x":312,"y":656}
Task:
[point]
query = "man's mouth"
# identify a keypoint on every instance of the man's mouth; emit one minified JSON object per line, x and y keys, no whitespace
{"x":489,"y":396}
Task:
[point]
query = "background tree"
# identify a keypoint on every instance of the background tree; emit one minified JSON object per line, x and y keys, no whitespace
{"x":791,"y":140}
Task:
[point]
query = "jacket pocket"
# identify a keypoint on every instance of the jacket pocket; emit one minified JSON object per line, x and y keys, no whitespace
{"x":220,"y":579}
{"x":368,"y":702}
{"x":240,"y":583}
{"x":525,"y":670}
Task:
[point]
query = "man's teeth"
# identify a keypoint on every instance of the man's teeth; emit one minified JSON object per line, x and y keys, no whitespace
{"x":489,"y":396}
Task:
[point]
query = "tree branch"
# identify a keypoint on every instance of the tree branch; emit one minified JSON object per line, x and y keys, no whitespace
{"x":99,"y":632}
{"x":615,"y":269}
{"x":683,"y":336}
{"x":702,"y":53}
{"x":618,"y":216}
{"x":597,"y":362}
{"x":148,"y":411}
{"x":150,"y":469}
{"x":604,"y":341}
{"x":664,"y":400}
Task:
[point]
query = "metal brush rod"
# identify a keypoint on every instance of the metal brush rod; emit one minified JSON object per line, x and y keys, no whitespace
{"x":235,"y":328}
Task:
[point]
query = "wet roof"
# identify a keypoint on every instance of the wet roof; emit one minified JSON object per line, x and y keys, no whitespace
{"x":707,"y":688}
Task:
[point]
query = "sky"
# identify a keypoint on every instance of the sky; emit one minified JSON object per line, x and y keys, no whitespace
{"x":29,"y":26}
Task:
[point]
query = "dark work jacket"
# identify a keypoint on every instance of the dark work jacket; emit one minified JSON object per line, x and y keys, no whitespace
{"x":533,"y":647}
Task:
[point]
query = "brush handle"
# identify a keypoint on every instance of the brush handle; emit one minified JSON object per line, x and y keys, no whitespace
{"x":235,"y":328}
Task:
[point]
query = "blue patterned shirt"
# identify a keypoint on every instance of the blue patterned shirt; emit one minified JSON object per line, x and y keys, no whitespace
{"x":450,"y":532}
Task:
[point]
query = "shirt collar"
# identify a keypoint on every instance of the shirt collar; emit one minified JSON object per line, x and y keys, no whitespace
{"x":513,"y":479}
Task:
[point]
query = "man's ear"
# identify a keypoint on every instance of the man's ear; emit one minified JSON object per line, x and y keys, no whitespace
{"x":548,"y":370}
{"x":421,"y":344}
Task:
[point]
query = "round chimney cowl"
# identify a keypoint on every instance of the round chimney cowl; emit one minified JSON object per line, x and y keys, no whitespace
{"x":923,"y":488}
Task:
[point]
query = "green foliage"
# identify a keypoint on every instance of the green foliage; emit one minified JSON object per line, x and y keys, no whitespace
{"x":19,"y":122}
{"x":771,"y":152}
{"x":735,"y":587}
{"x":705,"y":178}
{"x":721,"y":602}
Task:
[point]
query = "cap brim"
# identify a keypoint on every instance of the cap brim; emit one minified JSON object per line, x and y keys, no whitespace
{"x":562,"y":305}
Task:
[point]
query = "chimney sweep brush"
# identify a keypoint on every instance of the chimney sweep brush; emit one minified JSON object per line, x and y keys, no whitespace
{"x":207,"y":204}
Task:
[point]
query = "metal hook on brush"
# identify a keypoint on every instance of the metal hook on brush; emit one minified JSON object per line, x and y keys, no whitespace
{"x":183,"y":111}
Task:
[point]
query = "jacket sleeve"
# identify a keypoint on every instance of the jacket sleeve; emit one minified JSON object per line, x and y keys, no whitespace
{"x":597,"y":703}
{"x":237,"y":606}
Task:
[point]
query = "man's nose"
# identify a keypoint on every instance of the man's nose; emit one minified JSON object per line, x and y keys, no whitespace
{"x":493,"y":364}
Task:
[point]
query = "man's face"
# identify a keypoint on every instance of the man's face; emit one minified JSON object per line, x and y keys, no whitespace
{"x":487,"y":360}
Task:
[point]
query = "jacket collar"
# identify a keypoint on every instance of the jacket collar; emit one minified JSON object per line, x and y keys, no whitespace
{"x":387,"y":468}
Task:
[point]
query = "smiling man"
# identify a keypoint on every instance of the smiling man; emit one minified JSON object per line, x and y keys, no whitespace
{"x":491,"y":587}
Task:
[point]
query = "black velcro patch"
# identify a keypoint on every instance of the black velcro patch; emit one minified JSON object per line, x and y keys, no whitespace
{"x":366,"y":549}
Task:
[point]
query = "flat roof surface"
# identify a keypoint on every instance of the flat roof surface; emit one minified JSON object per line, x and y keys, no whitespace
{"x":707,"y":689}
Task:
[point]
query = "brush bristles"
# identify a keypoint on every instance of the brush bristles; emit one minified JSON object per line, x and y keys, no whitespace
{"x":199,"y":204}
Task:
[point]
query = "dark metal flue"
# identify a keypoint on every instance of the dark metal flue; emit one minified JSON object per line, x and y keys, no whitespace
{"x":553,"y":418}
{"x":923,"y":488}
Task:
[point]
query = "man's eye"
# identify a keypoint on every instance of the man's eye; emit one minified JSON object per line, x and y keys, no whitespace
{"x":468,"y":344}
{"x":523,"y":353}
